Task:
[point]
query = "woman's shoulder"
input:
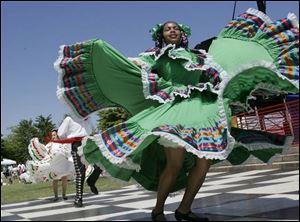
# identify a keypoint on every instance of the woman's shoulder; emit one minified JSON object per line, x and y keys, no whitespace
{"x":150,"y":51}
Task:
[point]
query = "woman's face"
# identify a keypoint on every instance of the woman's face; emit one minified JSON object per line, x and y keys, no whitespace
{"x":171,"y":33}
{"x":54,"y":135}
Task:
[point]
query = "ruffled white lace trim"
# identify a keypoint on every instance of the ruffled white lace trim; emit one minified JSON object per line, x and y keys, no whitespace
{"x":171,"y":54}
{"x":294,"y":19}
{"x":56,"y":65}
{"x":259,"y":14}
{"x":266,"y":19}
{"x":162,"y":51}
{"x":146,"y":68}
{"x":205,"y":66}
{"x":175,"y":142}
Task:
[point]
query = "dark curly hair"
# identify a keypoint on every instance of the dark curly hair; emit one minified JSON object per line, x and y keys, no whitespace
{"x":159,"y":40}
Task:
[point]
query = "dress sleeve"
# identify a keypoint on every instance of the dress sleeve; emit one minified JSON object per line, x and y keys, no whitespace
{"x":144,"y":60}
{"x":64,"y":128}
{"x":147,"y":58}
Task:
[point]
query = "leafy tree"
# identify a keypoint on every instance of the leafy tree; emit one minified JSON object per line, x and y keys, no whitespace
{"x":110,"y":117}
{"x":9,"y":147}
{"x":44,"y":125}
{"x":2,"y":148}
{"x":16,"y":144}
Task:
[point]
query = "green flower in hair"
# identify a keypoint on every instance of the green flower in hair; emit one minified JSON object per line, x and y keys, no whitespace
{"x":156,"y":29}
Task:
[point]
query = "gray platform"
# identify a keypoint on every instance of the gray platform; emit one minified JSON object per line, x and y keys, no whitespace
{"x":265,"y":195}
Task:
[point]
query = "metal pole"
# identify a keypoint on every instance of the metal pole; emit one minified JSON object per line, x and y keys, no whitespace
{"x":233,"y":14}
{"x":261,"y":5}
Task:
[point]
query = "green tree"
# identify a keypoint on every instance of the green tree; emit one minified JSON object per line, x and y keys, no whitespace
{"x":44,"y":125}
{"x":9,"y":146}
{"x":3,"y":154}
{"x":16,"y":144}
{"x":110,"y":117}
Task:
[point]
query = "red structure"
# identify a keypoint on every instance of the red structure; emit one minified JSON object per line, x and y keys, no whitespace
{"x":281,"y":118}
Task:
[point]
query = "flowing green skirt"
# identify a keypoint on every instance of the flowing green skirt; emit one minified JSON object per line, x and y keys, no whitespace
{"x":177,"y":99}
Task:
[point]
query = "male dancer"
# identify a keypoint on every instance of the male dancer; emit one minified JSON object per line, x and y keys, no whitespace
{"x":75,"y":131}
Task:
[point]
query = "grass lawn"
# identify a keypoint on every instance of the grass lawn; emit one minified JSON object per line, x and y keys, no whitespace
{"x":18,"y":192}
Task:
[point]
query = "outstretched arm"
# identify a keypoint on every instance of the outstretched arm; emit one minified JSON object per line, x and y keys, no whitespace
{"x":64,"y":128}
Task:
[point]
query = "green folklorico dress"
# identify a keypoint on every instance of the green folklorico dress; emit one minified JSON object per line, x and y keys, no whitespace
{"x":181,"y":97}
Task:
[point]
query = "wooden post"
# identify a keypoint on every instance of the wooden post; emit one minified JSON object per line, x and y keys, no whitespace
{"x":241,"y":121}
{"x":246,"y":121}
{"x":288,"y":117}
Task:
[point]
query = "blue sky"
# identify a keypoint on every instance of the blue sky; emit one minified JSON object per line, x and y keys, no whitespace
{"x":31,"y":33}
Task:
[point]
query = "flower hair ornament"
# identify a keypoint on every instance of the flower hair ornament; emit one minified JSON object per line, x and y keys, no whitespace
{"x":156,"y":34}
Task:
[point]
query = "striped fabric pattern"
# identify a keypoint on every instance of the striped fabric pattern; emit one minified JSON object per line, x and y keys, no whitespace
{"x":212,"y":139}
{"x":155,"y":49}
{"x":120,"y":140}
{"x":213,"y":75}
{"x":34,"y":150}
{"x":246,"y":23}
{"x":74,"y":80}
{"x":154,"y":88}
{"x":200,"y":59}
{"x":279,"y":37}
{"x":287,"y":39}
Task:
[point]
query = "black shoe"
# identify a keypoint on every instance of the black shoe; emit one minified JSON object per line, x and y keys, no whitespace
{"x":78,"y":203}
{"x":55,"y":199}
{"x":65,"y":197}
{"x":190,"y":216}
{"x":94,"y":189}
{"x":155,"y":217}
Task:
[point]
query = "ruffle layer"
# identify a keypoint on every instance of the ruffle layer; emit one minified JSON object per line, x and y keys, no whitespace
{"x":56,"y":163}
{"x":108,"y":152}
{"x":74,"y":66}
{"x":210,"y":139}
{"x":259,"y":140}
{"x":213,"y":143}
{"x":157,"y":88}
{"x":239,"y":87}
{"x":36,"y":150}
{"x":279,"y":38}
{"x":118,"y":143}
